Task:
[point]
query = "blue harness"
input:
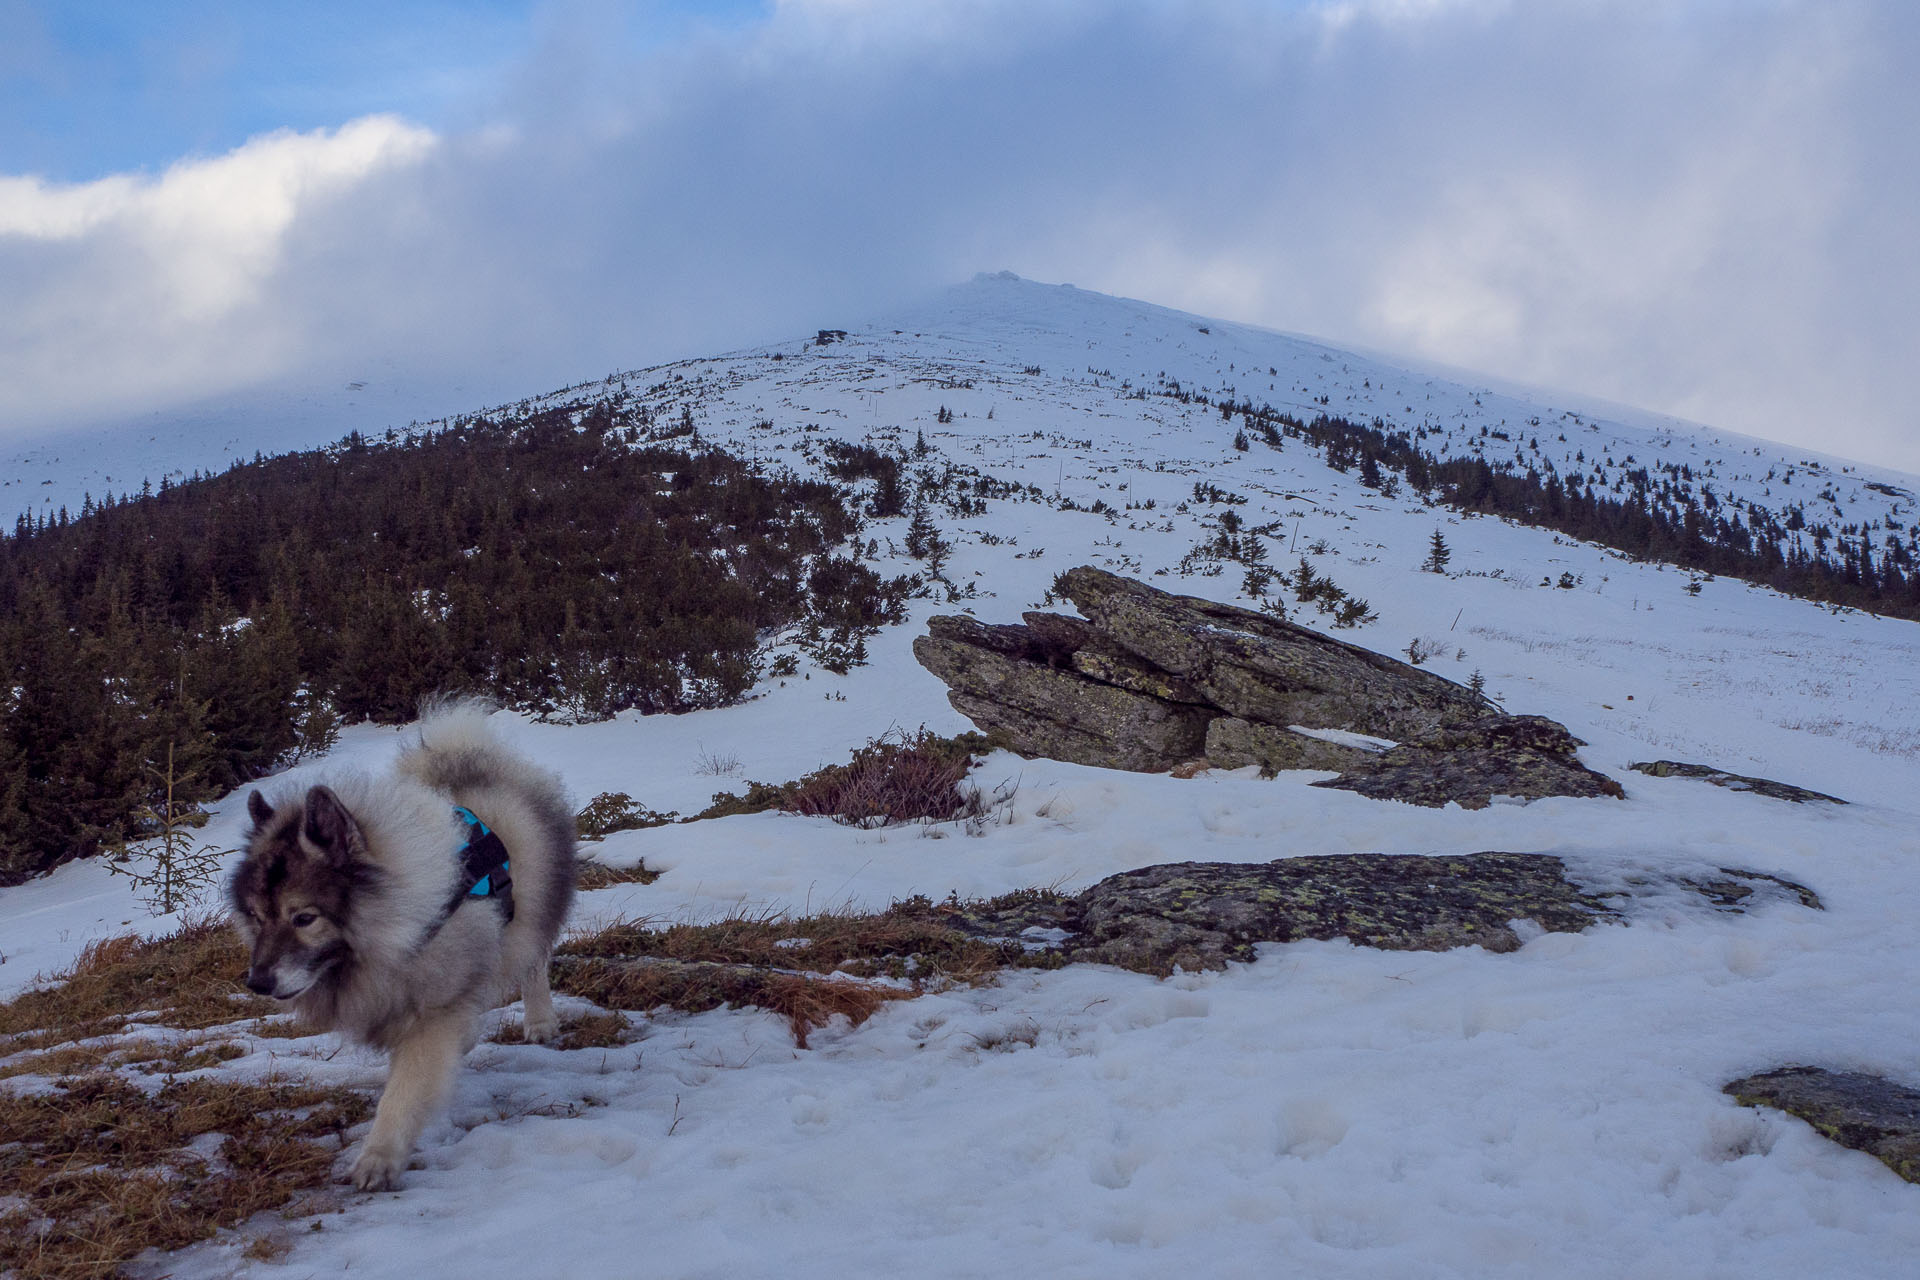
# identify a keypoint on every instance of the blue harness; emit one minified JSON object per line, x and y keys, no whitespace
{"x":483,"y":866}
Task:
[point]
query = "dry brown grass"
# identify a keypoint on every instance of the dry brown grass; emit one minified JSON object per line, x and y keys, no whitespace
{"x":899,"y":943}
{"x":189,"y":979}
{"x":596,"y":1030}
{"x":100,"y":1168}
{"x":692,"y":986}
{"x":782,"y":963}
{"x":153,"y":1057}
{"x":598,"y":875}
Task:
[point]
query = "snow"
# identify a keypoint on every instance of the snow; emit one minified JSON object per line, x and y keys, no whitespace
{"x":1328,"y":1110}
{"x":1341,"y":737}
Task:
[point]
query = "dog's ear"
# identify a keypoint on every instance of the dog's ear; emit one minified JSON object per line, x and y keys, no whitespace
{"x":330,"y":827}
{"x":259,"y":810}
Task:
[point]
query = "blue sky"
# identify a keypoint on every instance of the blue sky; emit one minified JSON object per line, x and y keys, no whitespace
{"x":88,"y":89}
{"x":1703,"y":208}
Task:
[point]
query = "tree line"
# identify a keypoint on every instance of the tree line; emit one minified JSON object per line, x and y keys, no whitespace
{"x":557,"y":561}
{"x":1646,"y":513}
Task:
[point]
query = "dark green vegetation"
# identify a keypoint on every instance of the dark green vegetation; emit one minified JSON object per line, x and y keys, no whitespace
{"x":1664,"y":512}
{"x":558,"y":562}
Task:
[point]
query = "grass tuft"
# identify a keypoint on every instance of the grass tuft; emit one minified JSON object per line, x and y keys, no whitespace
{"x":612,"y":811}
{"x":897,"y":777}
{"x":596,"y":1030}
{"x":592,"y":874}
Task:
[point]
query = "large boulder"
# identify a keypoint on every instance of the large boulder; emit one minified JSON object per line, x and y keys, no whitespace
{"x":1148,"y":680}
{"x":1263,"y":669}
{"x":1005,"y":680}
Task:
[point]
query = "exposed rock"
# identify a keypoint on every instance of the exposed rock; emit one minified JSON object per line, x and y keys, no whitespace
{"x":1734,"y":889}
{"x":1148,"y":680}
{"x":1526,"y":757}
{"x":1263,"y":669}
{"x":1001,"y":680}
{"x":1854,"y":1109}
{"x":1732,"y":781}
{"x":1200,"y":915}
{"x":1233,"y":743}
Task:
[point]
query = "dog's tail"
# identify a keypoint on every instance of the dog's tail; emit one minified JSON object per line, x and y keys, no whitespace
{"x":460,"y":756}
{"x":458,"y":750}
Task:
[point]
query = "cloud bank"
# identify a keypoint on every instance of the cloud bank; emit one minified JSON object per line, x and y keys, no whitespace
{"x":1706,"y":211}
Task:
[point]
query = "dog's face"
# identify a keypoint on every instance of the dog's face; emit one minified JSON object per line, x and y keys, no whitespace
{"x":292,"y":892}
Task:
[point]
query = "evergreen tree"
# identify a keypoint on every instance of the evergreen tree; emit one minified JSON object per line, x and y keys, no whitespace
{"x":1438,"y":553}
{"x":922,"y":533}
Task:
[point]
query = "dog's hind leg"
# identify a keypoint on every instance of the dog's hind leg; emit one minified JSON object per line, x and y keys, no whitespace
{"x":536,"y":1000}
{"x":424,"y":1065}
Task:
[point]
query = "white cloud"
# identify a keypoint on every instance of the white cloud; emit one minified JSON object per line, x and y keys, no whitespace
{"x":129,"y":289}
{"x":1704,"y":210}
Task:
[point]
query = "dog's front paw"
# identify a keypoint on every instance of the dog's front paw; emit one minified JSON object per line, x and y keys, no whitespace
{"x":538,"y":1029}
{"x":377,"y":1170}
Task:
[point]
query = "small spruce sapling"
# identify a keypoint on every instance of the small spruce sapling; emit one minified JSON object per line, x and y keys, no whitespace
{"x":1438,"y":553}
{"x":175,"y":868}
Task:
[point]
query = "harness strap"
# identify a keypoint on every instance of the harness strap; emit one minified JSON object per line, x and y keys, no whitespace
{"x":483,"y":867}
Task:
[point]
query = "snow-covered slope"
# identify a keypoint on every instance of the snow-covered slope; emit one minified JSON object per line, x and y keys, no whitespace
{"x":1327,"y":1111}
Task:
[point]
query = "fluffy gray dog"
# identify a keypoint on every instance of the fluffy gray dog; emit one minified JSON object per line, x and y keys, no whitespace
{"x":397,"y":910}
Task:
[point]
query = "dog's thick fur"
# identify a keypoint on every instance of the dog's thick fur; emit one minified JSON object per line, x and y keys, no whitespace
{"x":342,"y":897}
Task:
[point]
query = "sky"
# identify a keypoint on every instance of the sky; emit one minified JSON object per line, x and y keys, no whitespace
{"x":1705,"y":209}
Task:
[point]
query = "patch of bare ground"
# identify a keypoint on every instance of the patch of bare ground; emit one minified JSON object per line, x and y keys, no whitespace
{"x":188,"y":980}
{"x":597,"y":1029}
{"x":98,"y":1169}
{"x":807,"y":969}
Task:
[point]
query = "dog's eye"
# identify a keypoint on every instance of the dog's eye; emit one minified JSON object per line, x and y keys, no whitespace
{"x":301,"y":919}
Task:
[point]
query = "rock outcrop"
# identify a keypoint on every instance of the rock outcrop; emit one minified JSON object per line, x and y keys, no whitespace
{"x":1854,"y":1109}
{"x":1200,"y":915}
{"x":1148,"y":680}
{"x":1732,"y":781}
{"x":1474,"y":763}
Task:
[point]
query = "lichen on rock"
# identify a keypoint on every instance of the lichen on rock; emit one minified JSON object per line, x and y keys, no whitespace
{"x":1852,"y":1108}
{"x":1732,"y":781}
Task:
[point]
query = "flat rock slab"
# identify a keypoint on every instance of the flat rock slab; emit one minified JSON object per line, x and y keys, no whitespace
{"x":1200,"y":915}
{"x":1854,"y":1109}
{"x":1732,"y":781}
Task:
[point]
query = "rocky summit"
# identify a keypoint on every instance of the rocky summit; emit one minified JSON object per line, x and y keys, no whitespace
{"x":1149,"y":681}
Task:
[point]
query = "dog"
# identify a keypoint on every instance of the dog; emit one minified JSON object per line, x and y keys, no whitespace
{"x":359,"y":908}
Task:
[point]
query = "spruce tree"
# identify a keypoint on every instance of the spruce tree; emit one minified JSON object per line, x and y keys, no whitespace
{"x":1438,"y":553}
